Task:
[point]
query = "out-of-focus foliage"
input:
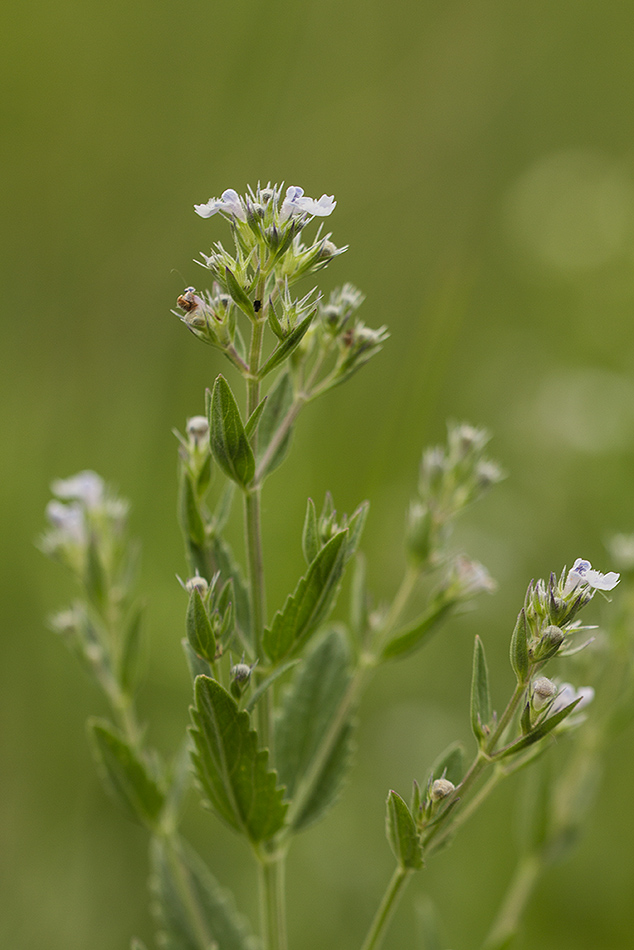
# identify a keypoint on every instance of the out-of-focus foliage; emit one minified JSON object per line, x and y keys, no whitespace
{"x":481,"y":155}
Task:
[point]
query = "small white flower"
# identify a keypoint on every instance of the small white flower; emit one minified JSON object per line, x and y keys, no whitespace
{"x":298,"y":203}
{"x":230,"y":202}
{"x":68,"y":520}
{"x":582,"y":573}
{"x":567,"y":694}
{"x":86,"y":487}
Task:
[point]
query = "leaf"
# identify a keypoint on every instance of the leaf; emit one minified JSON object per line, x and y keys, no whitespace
{"x":519,"y":648}
{"x":310,"y":534}
{"x":450,"y":764}
{"x":355,"y":528}
{"x":228,"y":440}
{"x":191,"y":521}
{"x":233,"y":773}
{"x":199,"y":631}
{"x":224,"y":561}
{"x":359,"y":599}
{"x":194,"y":912}
{"x":480,"y":696}
{"x":308,"y":712}
{"x":544,"y":727}
{"x":278,"y":404}
{"x":402,"y":834}
{"x":268,"y":682}
{"x":131,"y":649}
{"x":309,"y":604}
{"x":412,"y":637}
{"x":95,"y":575}
{"x":284,"y":349}
{"x":239,"y":295}
{"x":125,"y":775}
{"x":254,"y":419}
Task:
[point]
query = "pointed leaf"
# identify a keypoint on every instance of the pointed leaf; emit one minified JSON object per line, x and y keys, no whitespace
{"x":224,"y":561}
{"x":228,"y":440}
{"x":284,"y":349}
{"x":278,"y":404}
{"x":125,"y":775}
{"x":254,"y":419}
{"x":192,"y":524}
{"x":307,"y":715}
{"x":413,"y":636}
{"x":308,"y":606}
{"x":198,"y":627}
{"x":131,"y":650}
{"x":310,"y":534}
{"x":544,"y":727}
{"x":95,"y":576}
{"x":519,"y":648}
{"x":193,"y":911}
{"x":480,"y":697}
{"x":233,"y":773}
{"x":355,"y":528}
{"x":450,"y":764}
{"x":359,"y":599}
{"x":402,"y":834}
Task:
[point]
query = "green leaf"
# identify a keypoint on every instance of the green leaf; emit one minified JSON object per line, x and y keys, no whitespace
{"x":131,"y":650}
{"x":95,"y":576}
{"x":278,"y":404}
{"x":359,"y":599}
{"x":310,"y":534}
{"x":310,"y":603}
{"x":450,"y":764}
{"x":480,"y":696}
{"x":233,"y":773}
{"x":284,"y":349}
{"x":268,"y":682}
{"x":307,"y":714}
{"x":193,"y":911}
{"x":228,"y":440}
{"x":544,"y":727}
{"x":413,"y":636}
{"x":402,"y":834}
{"x":519,"y":648}
{"x":355,"y":528}
{"x":190,"y":518}
{"x":224,"y":561}
{"x":254,"y":419}
{"x":239,"y":295}
{"x":125,"y":775}
{"x":198,"y":627}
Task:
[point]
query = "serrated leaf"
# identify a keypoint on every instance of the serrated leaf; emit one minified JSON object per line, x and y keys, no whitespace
{"x":232,"y":771}
{"x":413,"y":636}
{"x":402,"y":834}
{"x":278,"y":404}
{"x":131,"y":649}
{"x":198,"y":627}
{"x":544,"y":727}
{"x":310,"y":533}
{"x":193,"y":911}
{"x":307,"y":714}
{"x":228,"y":440}
{"x":480,"y":696}
{"x":450,"y":764}
{"x":519,"y":648}
{"x":125,"y":775}
{"x":284,"y":349}
{"x":310,"y":603}
{"x":239,"y":295}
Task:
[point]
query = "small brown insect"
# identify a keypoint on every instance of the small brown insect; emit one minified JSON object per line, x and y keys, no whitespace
{"x":187,"y":300}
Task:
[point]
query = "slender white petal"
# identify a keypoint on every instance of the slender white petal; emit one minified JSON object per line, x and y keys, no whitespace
{"x":582,"y":573}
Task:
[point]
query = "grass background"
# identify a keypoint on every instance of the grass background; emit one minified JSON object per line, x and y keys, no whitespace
{"x":481,"y":155}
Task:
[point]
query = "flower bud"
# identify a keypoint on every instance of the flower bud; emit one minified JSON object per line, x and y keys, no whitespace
{"x":419,"y":531}
{"x":198,"y":429}
{"x":441,"y":788}
{"x":542,"y":692}
{"x":548,"y":644}
{"x":197,"y":583}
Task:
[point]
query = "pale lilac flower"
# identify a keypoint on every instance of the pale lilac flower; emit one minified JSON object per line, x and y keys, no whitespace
{"x":69,"y":522}
{"x":567,"y":694}
{"x":582,"y":573}
{"x":230,"y":202}
{"x":298,"y":203}
{"x":86,"y":487}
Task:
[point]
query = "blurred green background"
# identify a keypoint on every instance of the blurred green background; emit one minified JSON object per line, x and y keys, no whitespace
{"x":481,"y":155}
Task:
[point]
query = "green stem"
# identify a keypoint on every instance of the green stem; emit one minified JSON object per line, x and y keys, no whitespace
{"x":388,"y":905}
{"x":273,"y":901}
{"x":508,"y":918}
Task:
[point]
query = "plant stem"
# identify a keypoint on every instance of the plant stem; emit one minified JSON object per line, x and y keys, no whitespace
{"x":388,"y":905}
{"x":273,"y":901}
{"x":507,"y":921}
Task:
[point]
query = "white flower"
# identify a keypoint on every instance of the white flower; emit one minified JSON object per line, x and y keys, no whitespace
{"x":69,"y":522}
{"x":298,"y":203}
{"x":230,"y":202}
{"x":567,"y":694}
{"x":582,"y":573}
{"x":86,"y":487}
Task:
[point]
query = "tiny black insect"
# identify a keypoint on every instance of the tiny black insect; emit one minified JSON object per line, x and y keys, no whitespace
{"x":256,"y":305}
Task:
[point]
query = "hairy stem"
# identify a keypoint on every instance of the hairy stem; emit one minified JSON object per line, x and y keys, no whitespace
{"x":273,"y":902}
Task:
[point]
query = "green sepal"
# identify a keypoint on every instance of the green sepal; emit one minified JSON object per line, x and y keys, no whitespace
{"x":310,"y":602}
{"x":401,"y":832}
{"x":525,"y":719}
{"x":198,"y":627}
{"x":310,"y":533}
{"x":278,"y":404}
{"x":191,"y":521}
{"x":413,"y":636}
{"x":125,"y":774}
{"x":232,"y":771}
{"x":268,"y":682}
{"x":541,"y":730}
{"x":192,"y":910}
{"x":239,"y":295}
{"x":274,"y":323}
{"x":519,"y":648}
{"x":307,"y":715}
{"x":228,"y":440}
{"x":450,"y":764}
{"x":284,"y":349}
{"x":131,"y":649}
{"x":480,"y":696}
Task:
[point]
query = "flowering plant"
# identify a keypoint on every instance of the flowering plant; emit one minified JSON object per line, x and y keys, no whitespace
{"x":276,"y":693}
